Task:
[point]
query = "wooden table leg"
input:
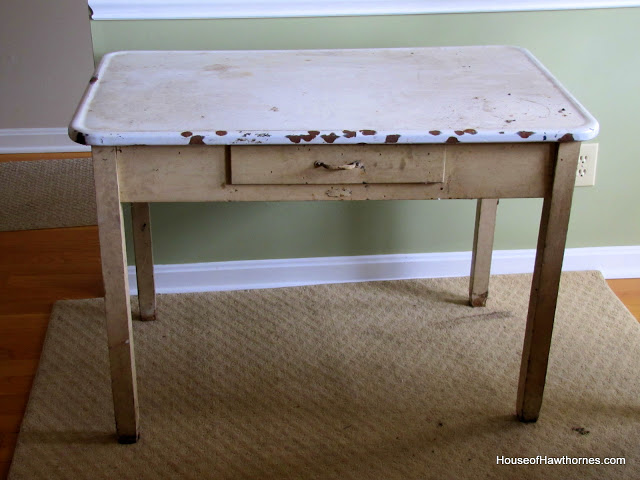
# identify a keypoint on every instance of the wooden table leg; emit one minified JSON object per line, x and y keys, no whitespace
{"x":141,"y":221}
{"x":482,"y":251}
{"x":116,"y":294}
{"x":546,"y":279}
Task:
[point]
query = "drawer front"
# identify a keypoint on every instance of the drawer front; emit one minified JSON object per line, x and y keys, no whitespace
{"x":336,"y":164}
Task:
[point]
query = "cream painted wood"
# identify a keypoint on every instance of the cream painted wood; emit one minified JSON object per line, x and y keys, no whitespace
{"x":141,"y":222}
{"x":546,"y":279}
{"x":116,"y":297}
{"x":482,"y":251}
{"x":267,"y":126}
{"x":192,"y":173}
{"x":337,"y":164}
{"x":499,"y":170}
{"x":202,"y":173}
{"x":172,"y":173}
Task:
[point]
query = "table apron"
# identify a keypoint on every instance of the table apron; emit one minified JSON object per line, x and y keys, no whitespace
{"x":201,"y":173}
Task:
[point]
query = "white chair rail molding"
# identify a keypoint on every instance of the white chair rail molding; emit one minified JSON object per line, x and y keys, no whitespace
{"x":156,"y":9}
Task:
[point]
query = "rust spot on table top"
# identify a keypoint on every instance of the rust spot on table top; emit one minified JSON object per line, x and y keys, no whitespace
{"x":470,"y":131}
{"x":196,"y":140}
{"x":392,"y":139}
{"x":524,"y":134}
{"x":567,"y":137}
{"x":307,"y":138}
{"x":330,"y":138}
{"x":452,"y":140}
{"x":80,"y":138}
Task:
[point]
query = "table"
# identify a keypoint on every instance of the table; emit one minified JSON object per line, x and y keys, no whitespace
{"x":483,"y":122}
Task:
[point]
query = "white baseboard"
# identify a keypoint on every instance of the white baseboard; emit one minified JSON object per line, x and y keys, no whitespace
{"x":38,"y":140}
{"x":613,"y":262}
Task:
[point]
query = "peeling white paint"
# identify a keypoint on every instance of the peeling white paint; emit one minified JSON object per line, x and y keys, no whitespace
{"x":372,"y":96}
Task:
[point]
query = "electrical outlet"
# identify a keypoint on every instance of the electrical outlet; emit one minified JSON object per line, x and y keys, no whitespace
{"x":586,"y":174}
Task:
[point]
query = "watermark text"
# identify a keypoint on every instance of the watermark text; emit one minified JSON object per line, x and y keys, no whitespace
{"x":564,"y":460}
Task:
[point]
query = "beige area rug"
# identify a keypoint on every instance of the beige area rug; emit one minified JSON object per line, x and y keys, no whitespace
{"x":379,"y":380}
{"x":47,"y":194}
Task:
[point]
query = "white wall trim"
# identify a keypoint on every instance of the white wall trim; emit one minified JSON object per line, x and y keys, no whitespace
{"x":38,"y":140}
{"x":163,"y":9}
{"x":613,"y":262}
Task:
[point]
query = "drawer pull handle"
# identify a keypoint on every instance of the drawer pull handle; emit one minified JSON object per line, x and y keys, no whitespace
{"x":346,"y":166}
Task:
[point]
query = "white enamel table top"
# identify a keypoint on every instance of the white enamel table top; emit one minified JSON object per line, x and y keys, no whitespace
{"x":400,"y":95}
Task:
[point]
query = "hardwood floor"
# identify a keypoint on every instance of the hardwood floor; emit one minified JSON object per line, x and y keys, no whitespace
{"x":37,"y":268}
{"x":41,"y":266}
{"x":22,"y":157}
{"x":628,"y":290}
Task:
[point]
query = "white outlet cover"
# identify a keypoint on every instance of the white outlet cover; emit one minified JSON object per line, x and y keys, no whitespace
{"x":586,"y":174}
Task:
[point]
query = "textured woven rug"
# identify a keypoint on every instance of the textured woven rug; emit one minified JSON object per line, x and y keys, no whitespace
{"x":379,"y":380}
{"x":47,"y":194}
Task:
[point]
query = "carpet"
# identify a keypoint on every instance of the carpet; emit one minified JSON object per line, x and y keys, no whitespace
{"x":47,"y":194}
{"x":377,"y":380}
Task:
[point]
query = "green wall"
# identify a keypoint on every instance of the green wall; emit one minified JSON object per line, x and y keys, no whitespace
{"x":592,"y":52}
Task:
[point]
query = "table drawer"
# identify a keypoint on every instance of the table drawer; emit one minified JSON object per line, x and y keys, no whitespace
{"x":336,"y":164}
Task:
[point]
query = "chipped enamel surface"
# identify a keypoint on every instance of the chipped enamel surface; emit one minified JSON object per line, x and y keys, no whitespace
{"x":362,"y":96}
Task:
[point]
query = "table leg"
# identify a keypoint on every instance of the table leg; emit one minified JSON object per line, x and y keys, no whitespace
{"x":141,"y":221}
{"x":482,"y":251}
{"x":116,"y":294}
{"x":546,"y":279}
